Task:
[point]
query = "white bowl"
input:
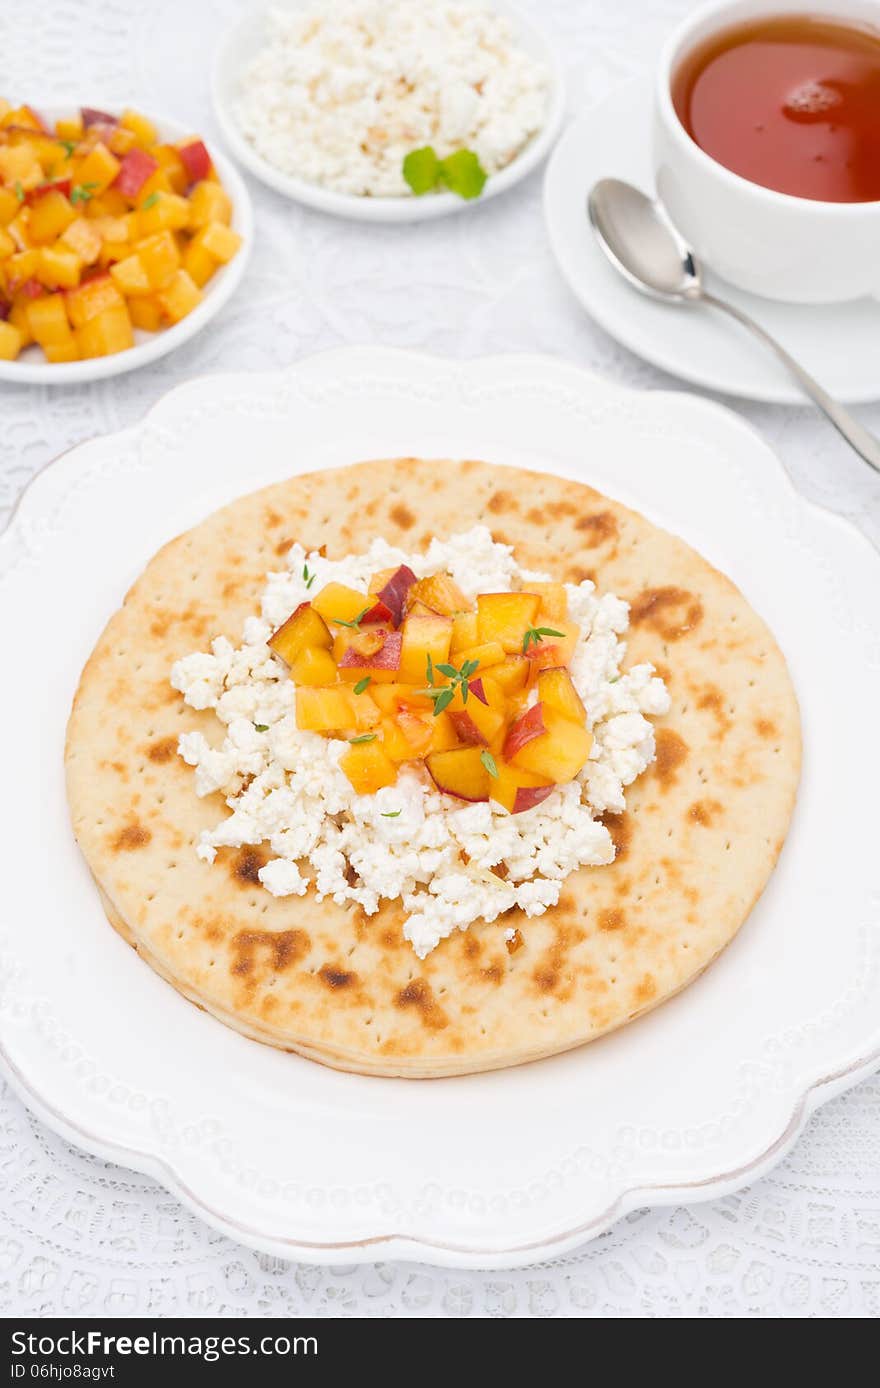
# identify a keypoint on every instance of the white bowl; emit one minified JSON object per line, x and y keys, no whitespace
{"x":31,"y":368}
{"x":245,"y":39}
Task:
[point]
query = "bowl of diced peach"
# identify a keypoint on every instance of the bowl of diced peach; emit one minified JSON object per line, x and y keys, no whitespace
{"x":121,"y":236}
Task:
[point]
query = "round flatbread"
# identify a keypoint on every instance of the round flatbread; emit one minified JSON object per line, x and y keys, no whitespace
{"x":701,"y":832}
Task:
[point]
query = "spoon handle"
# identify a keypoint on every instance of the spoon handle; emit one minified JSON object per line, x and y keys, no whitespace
{"x":865,"y":443}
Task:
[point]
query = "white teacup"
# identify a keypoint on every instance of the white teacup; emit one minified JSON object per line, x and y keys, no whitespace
{"x":769,"y":243}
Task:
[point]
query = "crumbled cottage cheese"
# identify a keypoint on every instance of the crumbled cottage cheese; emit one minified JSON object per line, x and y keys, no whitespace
{"x":284,"y":786}
{"x":343,"y":90}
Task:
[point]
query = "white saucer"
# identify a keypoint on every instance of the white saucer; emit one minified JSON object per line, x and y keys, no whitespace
{"x":838,"y":343}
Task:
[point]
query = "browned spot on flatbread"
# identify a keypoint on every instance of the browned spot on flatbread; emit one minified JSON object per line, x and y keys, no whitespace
{"x":272,"y":519}
{"x":672,"y":750}
{"x":547,"y":979}
{"x":611,"y":918}
{"x":535,"y":516}
{"x":163,"y":750}
{"x":278,"y":950}
{"x":132,"y":836}
{"x":336,"y":978}
{"x":492,"y":973}
{"x":245,"y":866}
{"x":402,"y":516}
{"x":283,"y":546}
{"x":646,"y":990}
{"x":419,"y":994}
{"x":597,"y":529}
{"x":712,"y":700}
{"x":499,"y":502}
{"x":576,"y":573}
{"x":704,"y":811}
{"x":620,"y":828}
{"x":765,"y":727}
{"x":671,"y":612}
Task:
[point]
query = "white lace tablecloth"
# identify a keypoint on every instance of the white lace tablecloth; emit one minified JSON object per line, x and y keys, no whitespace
{"x":83,"y":1237}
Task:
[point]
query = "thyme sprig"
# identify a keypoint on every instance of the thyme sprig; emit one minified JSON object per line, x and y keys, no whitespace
{"x":443,"y":694}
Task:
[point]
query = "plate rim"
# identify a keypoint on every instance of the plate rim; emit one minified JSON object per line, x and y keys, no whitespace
{"x":616,"y":327}
{"x":412,"y":1246}
{"x":158,"y":345}
{"x":384,"y":209}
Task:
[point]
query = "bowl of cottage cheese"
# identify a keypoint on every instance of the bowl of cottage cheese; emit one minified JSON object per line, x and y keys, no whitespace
{"x":324,"y":103}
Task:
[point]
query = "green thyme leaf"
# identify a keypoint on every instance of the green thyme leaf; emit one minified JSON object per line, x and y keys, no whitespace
{"x":356,"y":623}
{"x":448,"y":670}
{"x":68,"y":146}
{"x":469,"y":667}
{"x":430,"y":671}
{"x":614,"y":680}
{"x":390,"y":814}
{"x":420,"y":169}
{"x":82,"y":192}
{"x":537,"y":635}
{"x":444,"y":699}
{"x":463,"y":174}
{"x":489,"y":762}
{"x":149,"y":202}
{"x":19,"y":191}
{"x":362,"y":684}
{"x":364,"y":737}
{"x":262,"y":727}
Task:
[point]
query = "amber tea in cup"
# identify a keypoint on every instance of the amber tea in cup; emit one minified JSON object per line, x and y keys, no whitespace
{"x":790,"y":102}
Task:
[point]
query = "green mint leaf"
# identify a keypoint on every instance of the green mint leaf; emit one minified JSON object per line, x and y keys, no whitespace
{"x":151,"y":202}
{"x":421,"y":170}
{"x":463,"y":174}
{"x":364,"y":737}
{"x":262,"y":727}
{"x":362,"y":684}
{"x":489,"y":762}
{"x":390,"y":814}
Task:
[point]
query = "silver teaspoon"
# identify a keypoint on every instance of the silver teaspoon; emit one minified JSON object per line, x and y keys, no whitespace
{"x":649,"y":253}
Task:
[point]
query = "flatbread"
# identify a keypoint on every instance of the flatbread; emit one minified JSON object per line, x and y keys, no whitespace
{"x":696,"y":844}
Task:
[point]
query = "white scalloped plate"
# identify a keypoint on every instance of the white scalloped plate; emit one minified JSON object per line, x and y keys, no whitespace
{"x":493,"y":1170}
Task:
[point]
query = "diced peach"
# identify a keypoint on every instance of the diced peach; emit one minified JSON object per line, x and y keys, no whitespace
{"x":559,"y":752}
{"x":505,"y":617}
{"x":486,"y":656}
{"x":68,"y":350}
{"x":396,"y":743}
{"x":392,"y":697}
{"x":393,"y":592}
{"x":18,"y":319}
{"x":69,"y":128}
{"x":196,"y":159}
{"x":441,"y":594}
{"x":107,"y":333}
{"x":47,"y":320}
{"x":11,"y":341}
{"x":199,"y":264}
{"x":315,"y":666}
{"x":91,"y":299}
{"x":304,"y":628}
{"x":381,"y":663}
{"x":523,"y":730}
{"x":554,"y":650}
{"x":218,"y":240}
{"x":59,"y":267}
{"x":477,"y":722}
{"x":165,"y":212}
{"x":158,"y":182}
{"x":556,"y":690}
{"x":145,"y":313}
{"x":110,"y":203}
{"x":136,"y":168}
{"x":460,"y":772}
{"x":7,"y":245}
{"x":99,"y":168}
{"x":51,"y":215}
{"x":160,"y":257}
{"x":23,"y":116}
{"x":130,"y":276}
{"x":20,"y":268}
{"x":554,"y":602}
{"x":512,"y":674}
{"x":338,"y":603}
{"x":84,"y":239}
{"x":368,"y":767}
{"x":209,"y":202}
{"x":464,"y":632}
{"x":143,"y":129}
{"x":515,"y":788}
{"x":19,"y":165}
{"x":443,"y":734}
{"x":423,"y":638}
{"x":9,"y":206}
{"x":333,"y":708}
{"x":172,"y":167}
{"x":380,"y":578}
{"x":416,"y":729}
{"x":20,"y":229}
{"x":121,"y":141}
{"x":179,"y":298}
